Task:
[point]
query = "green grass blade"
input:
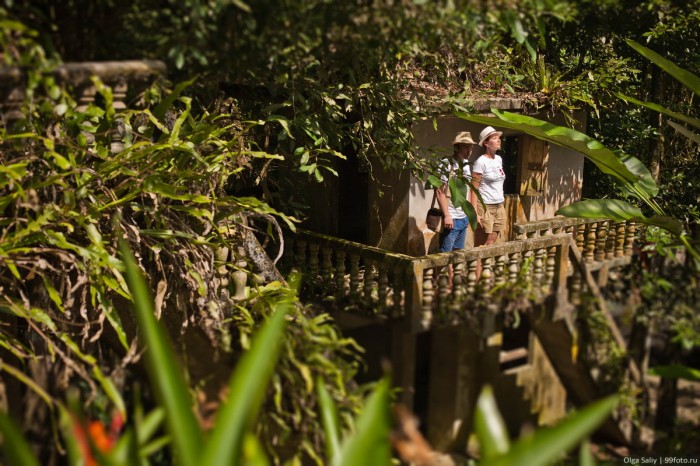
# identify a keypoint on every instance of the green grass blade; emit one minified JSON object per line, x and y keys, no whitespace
{"x":163,"y":370}
{"x":370,"y":444}
{"x":14,"y":446}
{"x":547,"y":445}
{"x":329,"y":418}
{"x":490,"y":427}
{"x":246,"y":393}
{"x":685,"y":132}
{"x":676,"y":371}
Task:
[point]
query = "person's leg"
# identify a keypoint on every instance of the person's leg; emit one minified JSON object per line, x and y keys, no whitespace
{"x":461,"y":225}
{"x":484,"y":234}
{"x":499,"y":221}
{"x":448,"y":239}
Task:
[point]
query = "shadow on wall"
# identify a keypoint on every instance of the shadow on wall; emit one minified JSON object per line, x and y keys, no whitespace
{"x":421,"y":240}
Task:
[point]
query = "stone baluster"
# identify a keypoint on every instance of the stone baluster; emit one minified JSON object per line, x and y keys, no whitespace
{"x":428,"y":293}
{"x":369,"y":284}
{"x":313,"y":264}
{"x":538,"y":268}
{"x":239,"y":276}
{"x":589,"y":252}
{"x":500,"y":271}
{"x":472,"y":265}
{"x":458,"y":286}
{"x":629,"y":238}
{"x":575,"y":283}
{"x":513,"y":267}
{"x":382,"y":288}
{"x":86,"y":94}
{"x":620,"y":240}
{"x":340,"y":273}
{"x":610,"y":240}
{"x":326,"y":266}
{"x":549,"y":269}
{"x":580,"y":237}
{"x":443,"y":290}
{"x":118,"y":131}
{"x":486,"y":279}
{"x":601,"y":238}
{"x":354,"y":276}
{"x":397,"y":294}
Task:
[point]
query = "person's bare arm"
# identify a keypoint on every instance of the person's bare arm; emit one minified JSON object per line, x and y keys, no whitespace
{"x":473,"y":198}
{"x":444,"y":202}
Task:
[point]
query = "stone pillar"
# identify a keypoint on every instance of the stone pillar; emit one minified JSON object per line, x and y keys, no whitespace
{"x":453,"y":387}
{"x":403,"y":362}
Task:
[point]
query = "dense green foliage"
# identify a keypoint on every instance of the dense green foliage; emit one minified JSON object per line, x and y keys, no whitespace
{"x":349,"y":78}
{"x":281,"y":92}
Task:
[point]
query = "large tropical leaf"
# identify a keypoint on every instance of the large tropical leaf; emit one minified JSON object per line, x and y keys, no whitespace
{"x":658,"y":108}
{"x":647,"y":182}
{"x":601,"y":156}
{"x":687,"y":78}
{"x":685,"y":132}
{"x":620,"y":211}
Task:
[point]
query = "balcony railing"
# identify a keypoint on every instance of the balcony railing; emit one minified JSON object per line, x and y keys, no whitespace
{"x":549,"y":258}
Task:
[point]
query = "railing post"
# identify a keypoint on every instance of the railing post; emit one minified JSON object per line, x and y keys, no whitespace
{"x":428,"y":294}
{"x":620,"y":240}
{"x":561,"y":291}
{"x":340,"y":273}
{"x":369,"y":283}
{"x":472,"y":265}
{"x":354,"y":276}
{"x":589,"y":252}
{"x":629,"y":238}
{"x":601,"y":240}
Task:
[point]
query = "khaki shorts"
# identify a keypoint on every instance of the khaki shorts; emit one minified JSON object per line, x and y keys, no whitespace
{"x":494,"y":219}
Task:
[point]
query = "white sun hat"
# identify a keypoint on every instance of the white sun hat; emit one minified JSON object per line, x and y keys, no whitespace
{"x":486,"y":132}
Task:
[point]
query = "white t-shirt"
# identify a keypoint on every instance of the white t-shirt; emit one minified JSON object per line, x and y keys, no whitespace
{"x":452,"y":166}
{"x":492,"y":177}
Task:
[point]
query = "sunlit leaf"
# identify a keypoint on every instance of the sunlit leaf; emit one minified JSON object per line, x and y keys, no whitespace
{"x":329,"y":419}
{"x":687,"y":78}
{"x":247,"y":389}
{"x":658,"y":108}
{"x":676,"y":371}
{"x":370,"y":444}
{"x":549,"y":444}
{"x":489,"y":426}
{"x":620,"y":211}
{"x":601,"y":156}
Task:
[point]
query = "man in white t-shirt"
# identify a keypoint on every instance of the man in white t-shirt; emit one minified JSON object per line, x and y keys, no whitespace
{"x":455,"y":221}
{"x":488,"y":177}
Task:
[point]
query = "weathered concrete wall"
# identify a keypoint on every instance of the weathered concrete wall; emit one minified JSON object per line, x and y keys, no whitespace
{"x":565,"y":178}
